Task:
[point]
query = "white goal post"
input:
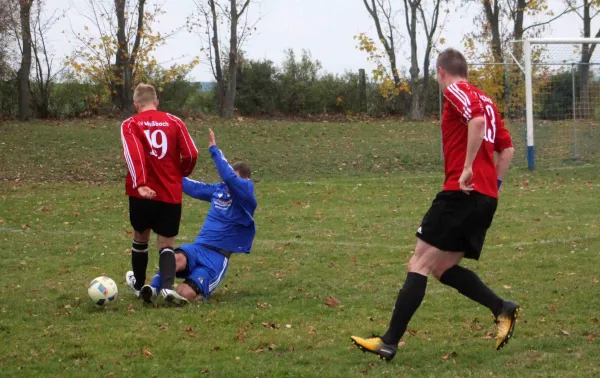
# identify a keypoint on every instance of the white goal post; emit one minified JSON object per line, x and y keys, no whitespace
{"x":527,"y":68}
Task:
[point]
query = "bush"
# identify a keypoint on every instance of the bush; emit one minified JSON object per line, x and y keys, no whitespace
{"x":257,"y":88}
{"x":73,"y":99}
{"x":9,"y":105}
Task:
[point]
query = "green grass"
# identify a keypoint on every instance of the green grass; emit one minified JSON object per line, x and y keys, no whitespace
{"x":338,"y":207}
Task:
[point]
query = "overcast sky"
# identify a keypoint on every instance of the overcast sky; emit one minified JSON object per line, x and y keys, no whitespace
{"x":325,"y":27}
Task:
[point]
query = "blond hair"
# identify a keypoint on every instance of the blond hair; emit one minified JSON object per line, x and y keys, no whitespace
{"x":144,"y":94}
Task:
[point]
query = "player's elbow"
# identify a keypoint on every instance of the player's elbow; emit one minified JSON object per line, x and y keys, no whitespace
{"x":507,"y":153}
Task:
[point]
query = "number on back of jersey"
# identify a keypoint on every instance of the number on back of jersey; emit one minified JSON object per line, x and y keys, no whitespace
{"x":158,"y":141}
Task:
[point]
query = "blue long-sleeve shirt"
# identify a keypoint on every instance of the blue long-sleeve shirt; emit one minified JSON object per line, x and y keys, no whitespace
{"x":229,"y":224}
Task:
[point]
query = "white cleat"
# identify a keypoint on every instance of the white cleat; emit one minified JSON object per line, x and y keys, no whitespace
{"x":148,"y":294}
{"x":130,"y":278}
{"x":171,"y":296}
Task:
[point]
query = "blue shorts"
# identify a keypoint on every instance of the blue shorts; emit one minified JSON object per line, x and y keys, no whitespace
{"x":205,"y":268}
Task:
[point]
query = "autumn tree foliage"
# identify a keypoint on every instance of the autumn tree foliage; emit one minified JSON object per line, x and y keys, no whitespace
{"x":116,"y":49}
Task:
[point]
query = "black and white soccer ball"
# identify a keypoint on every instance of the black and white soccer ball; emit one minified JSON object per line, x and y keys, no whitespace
{"x":103,"y":291}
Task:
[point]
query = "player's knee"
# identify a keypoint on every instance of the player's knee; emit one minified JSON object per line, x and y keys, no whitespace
{"x":180,"y":262}
{"x":438,"y":270}
{"x":186,"y":291}
{"x":419,"y":264}
{"x":447,"y":261}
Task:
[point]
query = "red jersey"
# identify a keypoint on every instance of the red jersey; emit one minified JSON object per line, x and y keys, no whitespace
{"x":159,"y":152}
{"x":465,"y":102}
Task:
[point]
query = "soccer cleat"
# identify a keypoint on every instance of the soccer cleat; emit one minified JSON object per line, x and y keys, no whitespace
{"x":506,"y":323}
{"x":376,"y":346}
{"x":130,"y":279}
{"x":173,"y":297}
{"x":148,"y":294}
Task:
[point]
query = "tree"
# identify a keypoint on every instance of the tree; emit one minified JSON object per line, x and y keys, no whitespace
{"x":505,"y":21}
{"x":7,"y":18}
{"x":387,"y":34}
{"x":418,"y":14}
{"x":211,"y":14}
{"x":25,"y":67}
{"x":45,"y":72}
{"x":413,"y":11}
{"x":119,"y":49}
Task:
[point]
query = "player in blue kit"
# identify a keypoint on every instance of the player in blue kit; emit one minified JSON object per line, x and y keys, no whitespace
{"x":229,"y":228}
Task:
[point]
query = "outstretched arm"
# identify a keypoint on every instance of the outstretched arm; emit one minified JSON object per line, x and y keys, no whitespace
{"x":239,"y":187}
{"x":198,"y":190}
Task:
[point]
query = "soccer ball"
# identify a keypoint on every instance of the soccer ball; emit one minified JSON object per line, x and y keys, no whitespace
{"x":102,"y":291}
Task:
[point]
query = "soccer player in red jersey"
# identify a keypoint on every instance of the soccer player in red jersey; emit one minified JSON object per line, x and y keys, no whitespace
{"x":159,"y":152}
{"x":456,"y":224}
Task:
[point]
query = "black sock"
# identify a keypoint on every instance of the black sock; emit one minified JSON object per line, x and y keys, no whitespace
{"x":409,"y":299}
{"x":470,"y":285}
{"x":139,"y":262}
{"x":167,"y":267}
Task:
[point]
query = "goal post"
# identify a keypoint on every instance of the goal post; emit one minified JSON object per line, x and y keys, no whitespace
{"x":550,"y":61}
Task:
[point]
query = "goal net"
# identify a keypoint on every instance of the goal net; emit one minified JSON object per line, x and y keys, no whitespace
{"x":562,"y":101}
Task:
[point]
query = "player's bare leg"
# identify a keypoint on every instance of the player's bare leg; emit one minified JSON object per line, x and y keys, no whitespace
{"x":409,"y":299}
{"x":187,"y":292}
{"x":448,"y":272}
{"x":136,"y":277}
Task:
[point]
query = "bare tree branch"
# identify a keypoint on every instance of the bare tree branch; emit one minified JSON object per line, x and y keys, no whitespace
{"x":566,"y":11}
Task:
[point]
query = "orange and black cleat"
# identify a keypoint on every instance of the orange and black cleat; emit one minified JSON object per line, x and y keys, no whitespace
{"x":506,"y":323}
{"x":376,"y":346}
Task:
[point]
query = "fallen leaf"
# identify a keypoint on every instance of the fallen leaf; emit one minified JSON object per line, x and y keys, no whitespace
{"x":279,"y":275}
{"x":312,"y":330}
{"x":263,"y":305}
{"x":270,"y":325}
{"x":67,"y":306}
{"x":564,"y":332}
{"x":241,"y":334}
{"x":591,"y":337}
{"x":130,"y":308}
{"x":101,"y":366}
{"x":272,"y":346}
{"x":237,"y":358}
{"x":164,"y":326}
{"x":402,"y":343}
{"x":204,"y":371}
{"x":332,"y":301}
{"x":147,"y":353}
{"x":188,"y":329}
{"x":449,"y":355}
{"x":507,"y":287}
{"x":111,"y":374}
{"x":291,"y":348}
{"x":353,"y":259}
{"x":553,"y":309}
{"x":288,"y":326}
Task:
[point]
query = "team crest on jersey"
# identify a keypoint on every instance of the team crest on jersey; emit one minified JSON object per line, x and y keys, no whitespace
{"x":222,"y":201}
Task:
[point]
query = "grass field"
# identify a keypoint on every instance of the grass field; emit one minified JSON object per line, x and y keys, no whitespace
{"x":338,"y":207}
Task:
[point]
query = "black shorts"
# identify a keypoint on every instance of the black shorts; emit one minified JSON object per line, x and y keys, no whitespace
{"x":458,"y":222}
{"x":163,"y":218}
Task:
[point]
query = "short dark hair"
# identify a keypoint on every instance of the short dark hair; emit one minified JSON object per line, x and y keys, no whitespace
{"x":453,"y":62}
{"x":242,"y":168}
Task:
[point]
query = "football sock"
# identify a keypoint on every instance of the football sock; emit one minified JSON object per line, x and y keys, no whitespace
{"x":139,"y":262}
{"x":470,"y":285}
{"x":409,"y":299}
{"x":167,"y":267}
